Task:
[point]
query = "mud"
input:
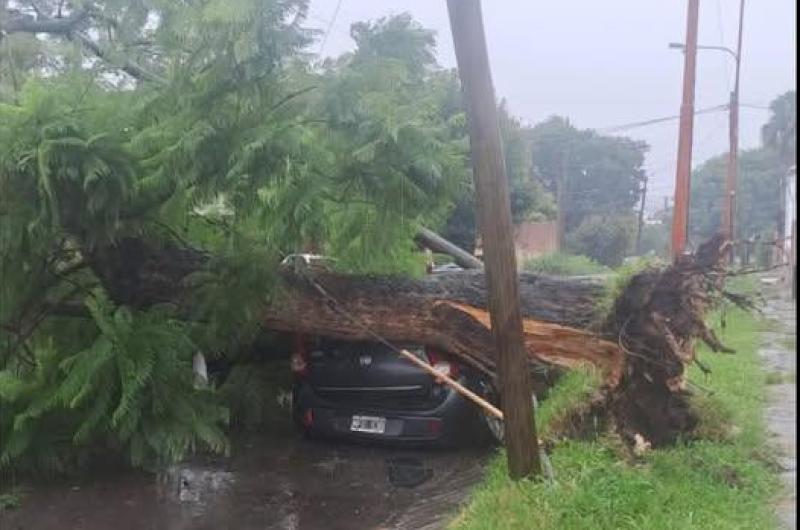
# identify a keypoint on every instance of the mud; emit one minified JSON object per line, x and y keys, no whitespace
{"x":780,"y":358}
{"x":274,"y":480}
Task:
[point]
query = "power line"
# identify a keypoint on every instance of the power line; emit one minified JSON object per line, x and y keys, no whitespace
{"x":759,"y":107}
{"x":627,"y":126}
{"x":662,"y":188}
{"x":330,"y":26}
{"x":655,"y":169}
{"x":722,"y":43}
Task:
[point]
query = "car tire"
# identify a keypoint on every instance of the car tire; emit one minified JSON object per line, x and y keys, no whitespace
{"x":495,"y":428}
{"x":493,"y":424}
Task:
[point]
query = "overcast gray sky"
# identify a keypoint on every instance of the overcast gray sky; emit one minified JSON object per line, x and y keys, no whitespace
{"x":606,"y":63}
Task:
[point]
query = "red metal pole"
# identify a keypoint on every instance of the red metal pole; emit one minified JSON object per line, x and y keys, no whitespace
{"x":732,"y":176}
{"x":680,"y":216}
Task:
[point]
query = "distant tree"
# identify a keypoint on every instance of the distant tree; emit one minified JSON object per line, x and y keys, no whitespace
{"x":762,"y":176}
{"x":780,"y":131}
{"x":779,"y":134}
{"x":601,"y":174}
{"x":606,"y":238}
{"x":655,"y":240}
{"x":530,"y":201}
{"x":758,"y":196}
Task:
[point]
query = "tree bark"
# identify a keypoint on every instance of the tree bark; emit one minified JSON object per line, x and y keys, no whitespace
{"x":448,"y":311}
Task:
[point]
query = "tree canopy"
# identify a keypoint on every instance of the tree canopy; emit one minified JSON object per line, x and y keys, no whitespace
{"x":126,"y":125}
{"x":600,"y":174}
{"x":762,"y":173}
{"x":758,"y":196}
{"x":134,"y":127}
{"x":780,"y":131}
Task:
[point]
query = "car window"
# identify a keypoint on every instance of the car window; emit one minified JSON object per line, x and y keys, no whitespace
{"x":345,"y":347}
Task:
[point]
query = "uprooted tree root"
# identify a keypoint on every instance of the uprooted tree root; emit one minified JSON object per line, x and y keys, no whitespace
{"x":658,"y":319}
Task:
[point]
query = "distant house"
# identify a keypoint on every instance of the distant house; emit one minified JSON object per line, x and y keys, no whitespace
{"x":531,"y":240}
{"x":535,"y":239}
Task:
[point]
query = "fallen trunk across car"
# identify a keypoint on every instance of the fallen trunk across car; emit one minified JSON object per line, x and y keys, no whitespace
{"x":641,"y":339}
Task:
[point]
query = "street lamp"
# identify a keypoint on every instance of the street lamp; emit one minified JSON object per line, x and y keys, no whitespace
{"x":729,"y":195}
{"x":680,"y":46}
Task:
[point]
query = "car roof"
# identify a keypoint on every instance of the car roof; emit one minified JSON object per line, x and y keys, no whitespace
{"x":447,"y":267}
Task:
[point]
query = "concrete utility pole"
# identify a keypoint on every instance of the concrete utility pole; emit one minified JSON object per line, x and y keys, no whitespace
{"x":732,"y":176}
{"x":494,"y":214}
{"x":680,"y":216}
{"x":641,"y":218}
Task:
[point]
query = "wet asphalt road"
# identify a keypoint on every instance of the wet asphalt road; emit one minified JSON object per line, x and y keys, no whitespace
{"x":274,"y":480}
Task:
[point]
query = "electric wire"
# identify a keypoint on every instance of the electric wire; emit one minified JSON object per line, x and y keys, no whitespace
{"x":330,"y":26}
{"x":654,"y":121}
{"x":722,"y":43}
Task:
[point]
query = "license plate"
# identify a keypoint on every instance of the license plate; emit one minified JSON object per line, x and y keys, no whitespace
{"x":370,"y":424}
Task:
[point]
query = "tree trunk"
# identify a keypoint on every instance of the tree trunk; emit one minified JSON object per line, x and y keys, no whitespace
{"x":448,"y":311}
{"x":640,"y":342}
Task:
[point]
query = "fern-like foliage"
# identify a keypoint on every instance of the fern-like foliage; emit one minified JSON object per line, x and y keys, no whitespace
{"x":256,"y":394}
{"x":130,"y":389}
{"x":236,"y":143}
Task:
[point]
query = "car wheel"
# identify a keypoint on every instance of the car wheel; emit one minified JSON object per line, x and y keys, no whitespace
{"x":493,"y":424}
{"x":495,"y":427}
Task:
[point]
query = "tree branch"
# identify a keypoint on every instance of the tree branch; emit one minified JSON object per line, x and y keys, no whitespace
{"x":130,"y":68}
{"x":24,"y":334}
{"x":42,"y":24}
{"x":69,"y":27}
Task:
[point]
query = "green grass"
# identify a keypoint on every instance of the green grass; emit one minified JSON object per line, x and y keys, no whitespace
{"x":779,"y":378}
{"x":558,"y":264}
{"x":724,"y":481}
{"x":568,"y":395}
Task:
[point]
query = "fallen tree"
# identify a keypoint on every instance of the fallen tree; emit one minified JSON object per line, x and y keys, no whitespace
{"x":641,"y":341}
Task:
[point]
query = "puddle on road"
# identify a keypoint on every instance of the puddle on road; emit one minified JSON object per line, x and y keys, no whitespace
{"x":274,"y":480}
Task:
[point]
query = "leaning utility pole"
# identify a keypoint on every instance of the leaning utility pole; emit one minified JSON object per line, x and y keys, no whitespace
{"x":680,"y":215}
{"x":732,"y":175}
{"x":494,"y":214}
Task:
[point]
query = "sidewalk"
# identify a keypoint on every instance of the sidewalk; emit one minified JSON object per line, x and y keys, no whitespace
{"x":779,"y":353}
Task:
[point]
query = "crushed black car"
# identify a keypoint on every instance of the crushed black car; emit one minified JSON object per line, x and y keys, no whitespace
{"x":363,"y":390}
